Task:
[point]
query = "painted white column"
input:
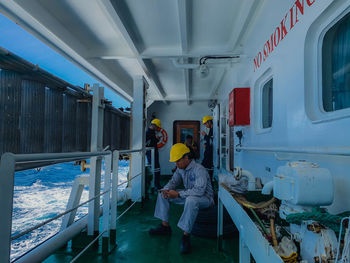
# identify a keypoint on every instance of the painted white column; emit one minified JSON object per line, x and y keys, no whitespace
{"x":220,"y":224}
{"x":244,"y":253}
{"x":138,"y":139}
{"x":95,"y":162}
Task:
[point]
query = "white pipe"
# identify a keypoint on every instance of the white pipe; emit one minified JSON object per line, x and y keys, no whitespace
{"x":251,"y":179}
{"x":184,"y":66}
{"x":344,"y":151}
{"x":267,"y":189}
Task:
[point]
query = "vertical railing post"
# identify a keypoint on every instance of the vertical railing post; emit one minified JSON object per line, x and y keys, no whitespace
{"x":74,"y":200}
{"x":7,"y":171}
{"x":106,"y":204}
{"x":244,"y":253}
{"x":137,"y":166}
{"x":114,"y":203}
{"x":220,"y":225}
{"x":95,"y":162}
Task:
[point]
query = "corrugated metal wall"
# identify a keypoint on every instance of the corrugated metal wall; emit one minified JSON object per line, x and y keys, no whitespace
{"x":115,"y":127}
{"x":32,"y":117}
{"x":36,"y":117}
{"x":53,"y":120}
{"x":10,"y":110}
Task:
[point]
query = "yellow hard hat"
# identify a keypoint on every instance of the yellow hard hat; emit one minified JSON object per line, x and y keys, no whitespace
{"x":157,"y":123}
{"x":207,"y":118}
{"x":178,"y":151}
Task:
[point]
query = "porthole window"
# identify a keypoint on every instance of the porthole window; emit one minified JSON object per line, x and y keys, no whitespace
{"x":336,"y":66}
{"x":266,"y":104}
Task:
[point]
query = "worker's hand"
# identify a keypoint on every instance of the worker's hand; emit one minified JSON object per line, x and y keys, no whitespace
{"x":203,"y":133}
{"x":172,"y":194}
{"x":165,"y":193}
{"x":158,"y":137}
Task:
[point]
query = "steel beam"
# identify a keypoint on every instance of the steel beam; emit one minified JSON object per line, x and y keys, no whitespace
{"x":183,"y":24}
{"x":113,"y":13}
{"x":138,"y":140}
{"x":95,"y":162}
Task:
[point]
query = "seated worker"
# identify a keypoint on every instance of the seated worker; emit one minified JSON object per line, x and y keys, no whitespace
{"x":197,"y":194}
{"x":192,"y":146}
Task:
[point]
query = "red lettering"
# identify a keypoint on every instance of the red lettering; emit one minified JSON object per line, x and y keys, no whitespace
{"x":310,"y":3}
{"x":281,"y":31}
{"x":279,"y":36}
{"x":270,"y":45}
{"x":283,"y":27}
{"x":266,"y":51}
{"x":291,"y":17}
{"x":299,"y":6}
{"x":256,"y":63}
{"x":259,"y":58}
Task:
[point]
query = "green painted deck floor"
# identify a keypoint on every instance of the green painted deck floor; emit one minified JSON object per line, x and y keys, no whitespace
{"x":136,"y":245}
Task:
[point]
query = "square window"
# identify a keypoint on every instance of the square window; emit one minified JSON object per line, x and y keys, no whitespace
{"x":266,"y":104}
{"x":336,"y":66}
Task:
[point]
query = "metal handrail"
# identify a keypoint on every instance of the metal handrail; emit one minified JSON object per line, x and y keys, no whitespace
{"x":129,"y":179}
{"x":56,"y":217}
{"x":126,"y":210}
{"x":66,"y":212}
{"x":87,"y":247}
{"x":93,"y":241}
{"x":66,"y":157}
{"x":39,"y":157}
{"x":135,"y":150}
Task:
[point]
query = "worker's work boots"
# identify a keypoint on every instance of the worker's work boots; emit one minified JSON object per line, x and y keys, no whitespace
{"x":160,"y":230}
{"x":185,"y":247}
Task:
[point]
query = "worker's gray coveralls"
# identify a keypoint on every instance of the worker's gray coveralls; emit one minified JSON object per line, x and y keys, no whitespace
{"x":197,"y":194}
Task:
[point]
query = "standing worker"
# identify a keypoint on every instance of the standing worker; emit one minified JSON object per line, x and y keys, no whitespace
{"x":208,"y":145}
{"x":151,"y":141}
{"x":197,"y":194}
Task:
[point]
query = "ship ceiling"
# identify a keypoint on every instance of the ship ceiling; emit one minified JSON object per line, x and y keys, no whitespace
{"x":163,"y":40}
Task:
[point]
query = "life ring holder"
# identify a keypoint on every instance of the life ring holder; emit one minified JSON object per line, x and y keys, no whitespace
{"x":164,"y":139}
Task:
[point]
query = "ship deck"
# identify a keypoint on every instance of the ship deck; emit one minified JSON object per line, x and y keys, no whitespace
{"x":134,"y":244}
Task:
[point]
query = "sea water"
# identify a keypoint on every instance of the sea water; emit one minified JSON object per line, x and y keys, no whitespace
{"x":40,"y":194}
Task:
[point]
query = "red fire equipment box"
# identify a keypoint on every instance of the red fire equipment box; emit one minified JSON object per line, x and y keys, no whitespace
{"x":239,"y":107}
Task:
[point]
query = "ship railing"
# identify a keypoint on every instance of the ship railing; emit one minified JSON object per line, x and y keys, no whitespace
{"x":10,"y":163}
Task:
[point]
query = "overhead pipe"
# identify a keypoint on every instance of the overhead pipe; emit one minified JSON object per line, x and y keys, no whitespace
{"x":184,"y":66}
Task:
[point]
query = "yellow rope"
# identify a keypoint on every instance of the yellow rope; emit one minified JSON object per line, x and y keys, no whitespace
{"x":243,"y":201}
{"x":292,"y":258}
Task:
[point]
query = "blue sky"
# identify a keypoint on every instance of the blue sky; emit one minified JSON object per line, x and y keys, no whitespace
{"x":23,"y":44}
